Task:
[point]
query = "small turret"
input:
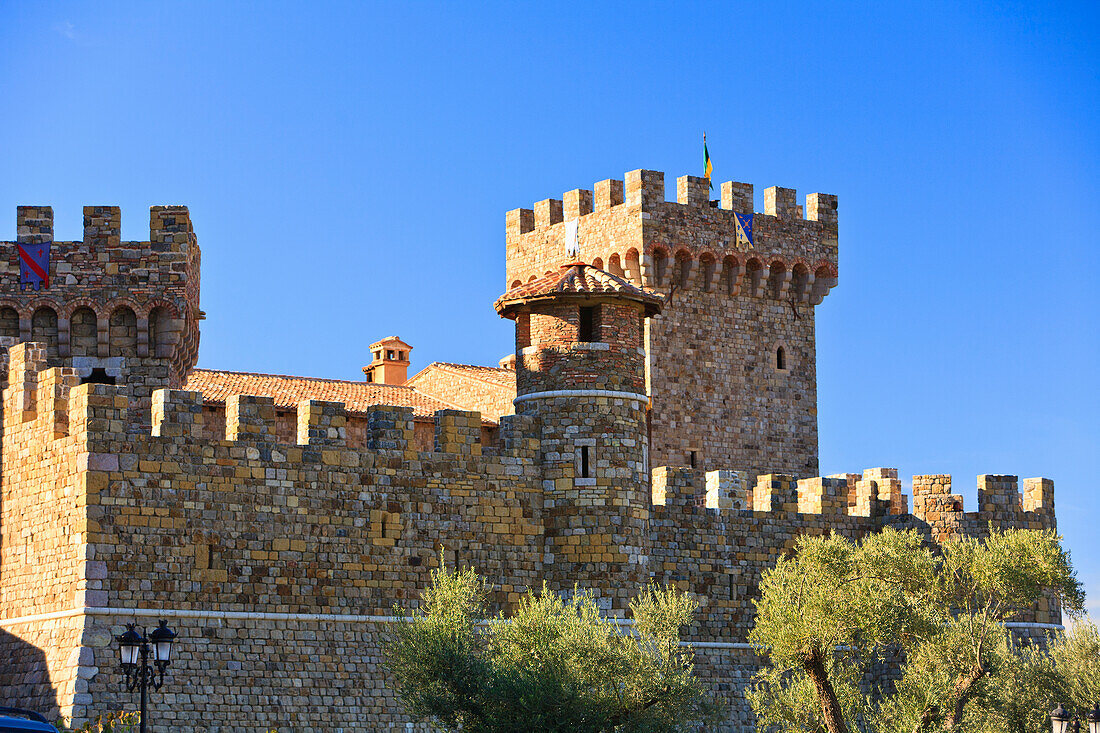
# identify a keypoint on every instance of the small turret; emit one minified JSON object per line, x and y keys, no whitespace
{"x":580,"y":369}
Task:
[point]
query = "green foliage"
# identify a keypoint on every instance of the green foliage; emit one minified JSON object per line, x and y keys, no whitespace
{"x":1076,"y":657}
{"x":787,"y":701}
{"x":117,"y":722}
{"x":556,"y":665}
{"x":828,"y":613}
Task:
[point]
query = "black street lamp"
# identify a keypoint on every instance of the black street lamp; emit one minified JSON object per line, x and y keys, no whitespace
{"x":1060,"y":720}
{"x":133,"y":649}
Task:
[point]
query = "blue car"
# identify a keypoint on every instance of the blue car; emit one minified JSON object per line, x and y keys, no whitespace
{"x":14,"y":720}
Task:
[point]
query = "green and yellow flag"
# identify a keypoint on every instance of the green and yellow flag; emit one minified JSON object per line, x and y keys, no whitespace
{"x":707,"y":167}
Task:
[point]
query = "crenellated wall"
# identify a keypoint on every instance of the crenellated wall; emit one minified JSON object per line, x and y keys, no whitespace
{"x":171,"y":519}
{"x":721,"y":395}
{"x":288,"y":545}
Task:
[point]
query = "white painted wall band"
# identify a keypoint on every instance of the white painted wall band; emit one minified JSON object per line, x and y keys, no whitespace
{"x":610,"y":394}
{"x":350,"y":618}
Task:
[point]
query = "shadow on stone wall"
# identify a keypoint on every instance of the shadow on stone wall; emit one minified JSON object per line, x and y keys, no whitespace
{"x":25,"y":677}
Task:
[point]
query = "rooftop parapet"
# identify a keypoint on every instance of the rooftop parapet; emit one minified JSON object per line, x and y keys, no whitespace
{"x":646,"y":189}
{"x":824,"y":496}
{"x":322,"y":423}
{"x":998,"y":500}
{"x":673,"y":486}
{"x":458,"y":431}
{"x":775,"y":492}
{"x":177,"y":413}
{"x":169,"y":226}
{"x":728,"y":491}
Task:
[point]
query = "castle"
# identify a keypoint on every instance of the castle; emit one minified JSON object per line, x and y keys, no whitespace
{"x":657,"y":421}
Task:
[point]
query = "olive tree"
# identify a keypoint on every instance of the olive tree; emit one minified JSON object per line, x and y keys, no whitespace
{"x":834,"y":608}
{"x":554,"y":664}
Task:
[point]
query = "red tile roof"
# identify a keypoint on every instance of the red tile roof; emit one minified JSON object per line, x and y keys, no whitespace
{"x":288,"y":391}
{"x":577,"y":279}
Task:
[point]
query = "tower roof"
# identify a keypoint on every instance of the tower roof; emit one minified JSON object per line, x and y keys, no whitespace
{"x":577,"y":280}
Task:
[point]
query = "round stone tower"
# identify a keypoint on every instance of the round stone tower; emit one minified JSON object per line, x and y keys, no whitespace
{"x":580,"y":368}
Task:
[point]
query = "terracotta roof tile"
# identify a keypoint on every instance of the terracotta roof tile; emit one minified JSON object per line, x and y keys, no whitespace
{"x":288,"y":391}
{"x":578,"y":279}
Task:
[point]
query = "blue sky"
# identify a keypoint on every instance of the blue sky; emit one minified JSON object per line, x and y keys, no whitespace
{"x":348,"y":167}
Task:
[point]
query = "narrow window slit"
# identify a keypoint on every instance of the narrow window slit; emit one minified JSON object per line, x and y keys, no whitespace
{"x":587,"y":329}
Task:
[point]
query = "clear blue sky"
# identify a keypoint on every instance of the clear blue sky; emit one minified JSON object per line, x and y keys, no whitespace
{"x":348,"y":167}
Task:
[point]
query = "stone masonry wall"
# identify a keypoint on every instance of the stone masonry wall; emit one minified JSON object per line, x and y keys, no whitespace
{"x":175,"y":520}
{"x":453,"y":386}
{"x":47,"y":564}
{"x":328,"y":538}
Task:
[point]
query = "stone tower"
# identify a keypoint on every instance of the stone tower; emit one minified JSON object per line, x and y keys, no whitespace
{"x":119,"y":312}
{"x":730,"y":363}
{"x":580,"y":369}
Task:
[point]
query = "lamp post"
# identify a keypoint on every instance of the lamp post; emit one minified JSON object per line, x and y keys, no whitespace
{"x":133,"y":649}
{"x":1060,"y":720}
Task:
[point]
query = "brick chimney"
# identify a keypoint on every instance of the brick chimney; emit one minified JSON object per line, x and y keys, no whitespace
{"x":389,"y":361}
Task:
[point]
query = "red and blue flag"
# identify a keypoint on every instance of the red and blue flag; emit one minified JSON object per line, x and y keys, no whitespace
{"x":34,"y":265}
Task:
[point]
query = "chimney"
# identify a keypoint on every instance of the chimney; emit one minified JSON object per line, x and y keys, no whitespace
{"x":389,"y":361}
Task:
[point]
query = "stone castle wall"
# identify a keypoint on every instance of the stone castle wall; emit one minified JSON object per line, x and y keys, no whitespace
{"x":280,"y":561}
{"x":719,"y":398}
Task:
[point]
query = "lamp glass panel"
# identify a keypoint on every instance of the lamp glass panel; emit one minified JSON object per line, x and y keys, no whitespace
{"x":162,"y":651}
{"x":128,"y":654}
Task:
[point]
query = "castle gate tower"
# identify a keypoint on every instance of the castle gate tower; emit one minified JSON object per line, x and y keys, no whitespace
{"x":580,"y":369}
{"x":731,"y":362}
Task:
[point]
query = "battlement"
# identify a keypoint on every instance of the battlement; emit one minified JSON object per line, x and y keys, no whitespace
{"x":645,"y":189}
{"x":874,"y":493}
{"x":792,"y":253}
{"x":168,"y":225}
{"x":250,"y":420}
